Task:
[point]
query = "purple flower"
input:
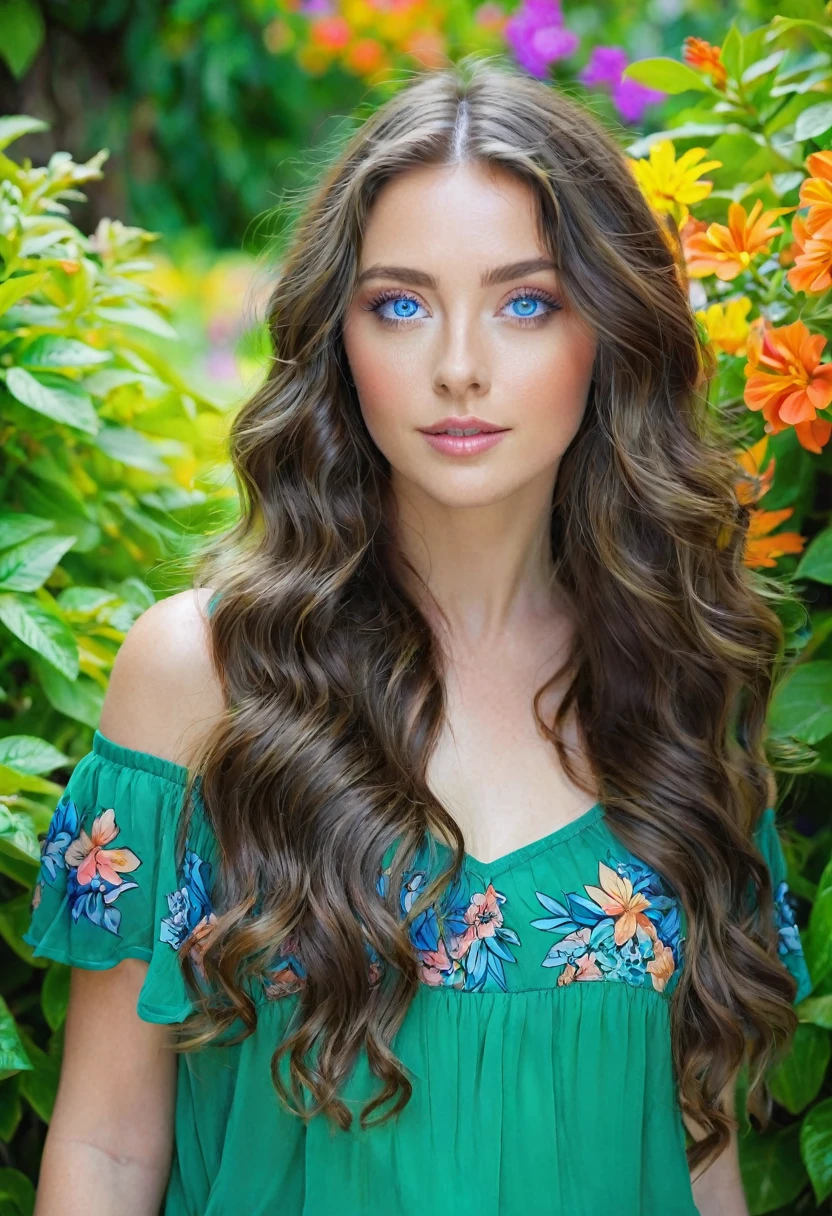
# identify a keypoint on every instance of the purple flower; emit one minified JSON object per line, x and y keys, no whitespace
{"x":537,"y":35}
{"x":606,"y":67}
{"x":606,"y":63}
{"x":631,"y":99}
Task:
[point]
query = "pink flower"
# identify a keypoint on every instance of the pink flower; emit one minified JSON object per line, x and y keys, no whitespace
{"x":92,"y":858}
{"x":483,"y":917}
{"x":434,"y":964}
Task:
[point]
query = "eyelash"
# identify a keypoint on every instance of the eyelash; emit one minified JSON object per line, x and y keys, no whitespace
{"x":531,"y":293}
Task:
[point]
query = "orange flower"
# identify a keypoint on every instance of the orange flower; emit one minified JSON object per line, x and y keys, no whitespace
{"x":816,"y":193}
{"x":755,"y":483}
{"x":706,"y":59}
{"x":661,"y":965}
{"x":787,"y":381}
{"x":812,"y":271}
{"x":618,"y":900}
{"x":727,"y":252}
{"x":761,"y":549}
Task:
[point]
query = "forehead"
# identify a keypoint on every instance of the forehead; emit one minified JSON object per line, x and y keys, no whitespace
{"x":452,"y":214}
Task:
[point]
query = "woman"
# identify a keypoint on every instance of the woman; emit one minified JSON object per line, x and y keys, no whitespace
{"x":486,"y":601}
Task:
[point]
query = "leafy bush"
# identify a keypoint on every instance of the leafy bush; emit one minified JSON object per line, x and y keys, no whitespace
{"x":755,"y":237}
{"x":110,"y":474}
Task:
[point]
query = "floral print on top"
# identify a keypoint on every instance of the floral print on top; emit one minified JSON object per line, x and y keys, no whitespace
{"x":461,"y":940}
{"x":190,"y":908}
{"x":94,"y":881}
{"x":628,"y":928}
{"x":191,"y":915}
{"x":788,"y":936}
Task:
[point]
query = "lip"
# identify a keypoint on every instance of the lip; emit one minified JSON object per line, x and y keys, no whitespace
{"x":464,"y":445}
{"x":461,"y":422}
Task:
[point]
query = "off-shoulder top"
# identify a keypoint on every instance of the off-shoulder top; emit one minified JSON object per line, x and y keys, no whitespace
{"x":538,"y":1043}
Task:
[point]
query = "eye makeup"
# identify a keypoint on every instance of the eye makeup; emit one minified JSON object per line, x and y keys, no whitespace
{"x":393,"y":295}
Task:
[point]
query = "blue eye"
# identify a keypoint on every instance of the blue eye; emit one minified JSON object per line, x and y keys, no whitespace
{"x":403,"y":308}
{"x":396,"y":308}
{"x":526,"y":306}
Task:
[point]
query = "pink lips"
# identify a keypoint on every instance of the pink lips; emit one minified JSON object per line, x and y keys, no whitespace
{"x":464,"y":445}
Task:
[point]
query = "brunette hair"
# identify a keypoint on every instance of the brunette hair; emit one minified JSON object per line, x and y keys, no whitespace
{"x":334,"y":679}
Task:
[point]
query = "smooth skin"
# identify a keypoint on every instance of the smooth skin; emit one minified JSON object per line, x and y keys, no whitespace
{"x":462,"y":328}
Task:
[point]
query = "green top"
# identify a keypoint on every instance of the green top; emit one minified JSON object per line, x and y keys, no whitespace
{"x":538,"y":1043}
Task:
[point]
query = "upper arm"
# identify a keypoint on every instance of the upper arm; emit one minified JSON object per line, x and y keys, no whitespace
{"x":111,"y":1131}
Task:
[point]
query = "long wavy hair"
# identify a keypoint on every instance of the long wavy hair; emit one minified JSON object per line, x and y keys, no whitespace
{"x":334,"y":681}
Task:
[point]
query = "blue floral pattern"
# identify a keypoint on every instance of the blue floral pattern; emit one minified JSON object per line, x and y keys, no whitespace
{"x":628,"y":928}
{"x":93,"y":870}
{"x":191,"y":911}
{"x":788,"y":936}
{"x":461,"y":939}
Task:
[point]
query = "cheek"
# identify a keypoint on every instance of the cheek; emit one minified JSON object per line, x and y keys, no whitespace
{"x":545,"y":385}
{"x":389,"y":380}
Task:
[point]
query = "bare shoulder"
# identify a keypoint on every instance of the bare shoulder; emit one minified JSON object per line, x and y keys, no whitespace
{"x":164,"y":695}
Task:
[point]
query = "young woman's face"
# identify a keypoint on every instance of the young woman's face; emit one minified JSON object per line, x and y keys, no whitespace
{"x":458,"y":311}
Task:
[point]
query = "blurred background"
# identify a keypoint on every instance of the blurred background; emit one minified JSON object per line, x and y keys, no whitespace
{"x":152,"y":158}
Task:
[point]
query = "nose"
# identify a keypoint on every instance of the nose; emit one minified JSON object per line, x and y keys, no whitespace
{"x":462,"y":367}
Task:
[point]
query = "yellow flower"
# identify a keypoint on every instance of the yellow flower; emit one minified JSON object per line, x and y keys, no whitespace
{"x":672,"y":186}
{"x":727,"y":327}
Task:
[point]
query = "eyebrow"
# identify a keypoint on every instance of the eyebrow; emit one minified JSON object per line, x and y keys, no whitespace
{"x":420,"y":278}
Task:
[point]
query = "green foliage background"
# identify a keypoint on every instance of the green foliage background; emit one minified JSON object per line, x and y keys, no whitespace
{"x":111,"y":466}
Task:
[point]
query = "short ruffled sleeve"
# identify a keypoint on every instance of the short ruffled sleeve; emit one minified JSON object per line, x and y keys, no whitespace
{"x":790,"y":946}
{"x":109,"y":885}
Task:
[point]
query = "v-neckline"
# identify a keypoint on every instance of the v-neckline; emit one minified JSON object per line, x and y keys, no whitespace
{"x":507,"y":861}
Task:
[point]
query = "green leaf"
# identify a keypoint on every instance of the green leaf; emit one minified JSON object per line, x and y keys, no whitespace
{"x":816,"y":32}
{"x":773,"y":1173}
{"x":731,"y":53}
{"x":85,"y":602}
{"x":667,"y":75}
{"x":42,"y":631}
{"x":17,"y":836}
{"x":13,"y":1055}
{"x":816,"y":1147}
{"x":14,"y":126}
{"x":818,"y":945}
{"x":17,"y":1194}
{"x":817,"y":1010}
{"x":700,"y":131}
{"x":11,"y":782}
{"x":51,"y":351}
{"x":23,"y":31}
{"x":54,"y":995}
{"x":40,"y":1086}
{"x":54,"y":396}
{"x":10,"y":1108}
{"x":14,"y":921}
{"x":102,"y":383}
{"x":813,"y":122}
{"x":22,"y":285}
{"x":81,"y":699}
{"x":796,"y":1080}
{"x":26,"y":567}
{"x":19,"y":527}
{"x":30,"y":754}
{"x":802,"y":703}
{"x":131,"y":448}
{"x":139,"y":318}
